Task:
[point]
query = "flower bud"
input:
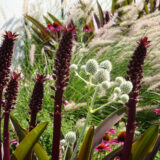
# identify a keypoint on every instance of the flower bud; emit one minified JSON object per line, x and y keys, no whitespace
{"x":124,"y":98}
{"x":126,"y":87}
{"x":106,"y":65}
{"x":117,"y":90}
{"x":73,"y":67}
{"x":91,"y":66}
{"x":70,"y":137}
{"x":83,"y":68}
{"x":119,"y":80}
{"x":102,"y":75}
{"x":106,"y":85}
{"x":63,"y":142}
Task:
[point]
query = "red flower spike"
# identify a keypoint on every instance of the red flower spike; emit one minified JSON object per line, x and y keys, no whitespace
{"x":10,"y":97}
{"x":10,"y":35}
{"x":36,"y":100}
{"x":145,"y":42}
{"x":16,"y":76}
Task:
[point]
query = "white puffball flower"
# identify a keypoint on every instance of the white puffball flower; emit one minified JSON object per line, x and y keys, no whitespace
{"x":117,"y":90}
{"x":101,"y":75}
{"x":106,"y":65}
{"x":73,"y":67}
{"x":80,"y":123}
{"x":70,"y":137}
{"x":83,"y":68}
{"x":124,"y":98}
{"x":91,"y":66}
{"x":106,"y":85}
{"x":126,"y":87}
{"x":119,"y":80}
{"x":63,"y":142}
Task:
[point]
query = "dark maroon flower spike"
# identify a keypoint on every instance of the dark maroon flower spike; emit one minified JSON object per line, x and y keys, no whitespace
{"x":10,"y":98}
{"x":61,"y":77}
{"x":107,"y":17}
{"x":154,"y":5}
{"x":6,"y":52}
{"x":36,"y":100}
{"x":134,"y":74}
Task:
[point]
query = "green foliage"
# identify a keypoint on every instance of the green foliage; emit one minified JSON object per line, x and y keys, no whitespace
{"x":85,"y":149}
{"x":143,"y":146}
{"x":25,"y":147}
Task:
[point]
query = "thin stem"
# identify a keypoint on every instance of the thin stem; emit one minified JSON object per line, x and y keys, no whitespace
{"x":6,"y":137}
{"x":85,"y":125}
{"x":99,"y":108}
{"x":88,"y":83}
{"x":65,"y":154}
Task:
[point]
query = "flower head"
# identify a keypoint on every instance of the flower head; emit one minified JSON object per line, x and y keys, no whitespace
{"x":102,"y":75}
{"x":87,"y":28}
{"x":91,"y":66}
{"x":70,"y":137}
{"x":106,"y":137}
{"x":106,"y":65}
{"x":157,"y":111}
{"x":6,"y":52}
{"x":55,"y":27}
{"x":102,"y":147}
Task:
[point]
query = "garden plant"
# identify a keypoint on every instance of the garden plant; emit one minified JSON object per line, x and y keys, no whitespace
{"x":87,"y":87}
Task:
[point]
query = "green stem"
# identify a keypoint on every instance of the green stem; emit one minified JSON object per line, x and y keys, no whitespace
{"x":101,"y":107}
{"x":85,"y":125}
{"x":65,"y":154}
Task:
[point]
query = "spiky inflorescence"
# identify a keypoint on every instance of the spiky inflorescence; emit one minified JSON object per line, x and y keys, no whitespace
{"x":36,"y":100}
{"x":61,"y":77}
{"x":10,"y":97}
{"x":135,"y":70}
{"x":6,"y":52}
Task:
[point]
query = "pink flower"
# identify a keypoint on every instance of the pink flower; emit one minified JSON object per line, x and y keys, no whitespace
{"x":13,"y":141}
{"x":55,"y":27}
{"x":157,"y":111}
{"x":102,"y":147}
{"x":112,"y":131}
{"x":87,"y":28}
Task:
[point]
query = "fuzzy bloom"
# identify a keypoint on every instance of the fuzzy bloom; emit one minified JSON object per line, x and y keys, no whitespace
{"x":55,"y":27}
{"x":61,"y":76}
{"x":87,"y":28}
{"x":106,"y":65}
{"x":36,"y":99}
{"x":101,"y":75}
{"x":91,"y":66}
{"x":6,"y":52}
{"x":157,"y":111}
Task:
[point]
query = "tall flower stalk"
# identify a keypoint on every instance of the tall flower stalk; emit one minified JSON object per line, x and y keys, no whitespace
{"x":10,"y":97}
{"x":36,"y":100}
{"x":6,"y":52}
{"x":135,"y":70}
{"x":61,"y":77}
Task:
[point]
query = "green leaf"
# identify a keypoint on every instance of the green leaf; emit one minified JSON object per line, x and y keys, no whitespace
{"x":143,"y":146}
{"x":151,"y":6}
{"x":28,"y":142}
{"x":85,"y":149}
{"x":100,"y":14}
{"x":152,"y":154}
{"x":41,"y":27}
{"x":146,"y":8}
{"x":106,"y":125}
{"x":54,"y":18}
{"x":69,"y":154}
{"x":21,"y":133}
{"x":47,"y":20}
